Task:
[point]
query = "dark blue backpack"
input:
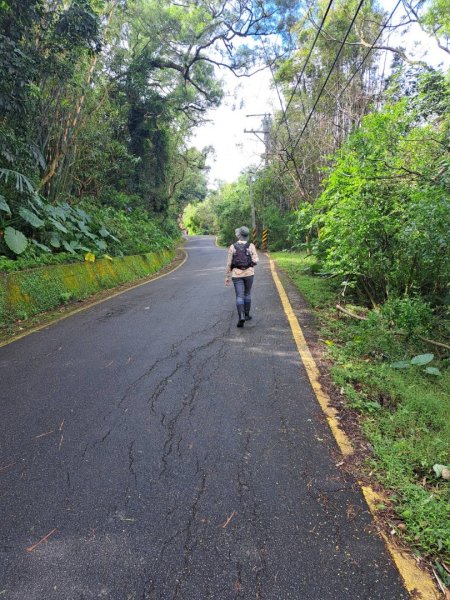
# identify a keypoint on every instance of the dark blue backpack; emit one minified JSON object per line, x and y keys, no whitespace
{"x":242,"y":258}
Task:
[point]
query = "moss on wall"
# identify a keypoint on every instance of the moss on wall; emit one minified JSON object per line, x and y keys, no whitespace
{"x":2,"y":294}
{"x":26,"y":293}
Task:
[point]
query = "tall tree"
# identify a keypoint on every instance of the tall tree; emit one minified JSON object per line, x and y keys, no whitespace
{"x":327,"y":86}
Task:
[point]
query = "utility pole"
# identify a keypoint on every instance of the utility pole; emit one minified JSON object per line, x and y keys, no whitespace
{"x":265,"y":131}
{"x":252,"y":207}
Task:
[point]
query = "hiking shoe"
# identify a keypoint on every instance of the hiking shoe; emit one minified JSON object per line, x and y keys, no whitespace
{"x":240,"y":323}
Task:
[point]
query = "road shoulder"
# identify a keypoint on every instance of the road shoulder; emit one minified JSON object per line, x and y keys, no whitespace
{"x":346,"y":430}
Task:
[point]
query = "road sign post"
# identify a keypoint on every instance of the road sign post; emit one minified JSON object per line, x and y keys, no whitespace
{"x":264,"y":240}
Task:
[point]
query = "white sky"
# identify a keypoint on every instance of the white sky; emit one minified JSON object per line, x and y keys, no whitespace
{"x":236,"y":150}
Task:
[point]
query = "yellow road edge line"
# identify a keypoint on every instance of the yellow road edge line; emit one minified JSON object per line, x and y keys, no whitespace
{"x":312,"y":371}
{"x":415,"y":579}
{"x":78,"y":310}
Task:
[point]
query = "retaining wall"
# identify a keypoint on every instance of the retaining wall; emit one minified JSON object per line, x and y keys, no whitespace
{"x":26,"y":293}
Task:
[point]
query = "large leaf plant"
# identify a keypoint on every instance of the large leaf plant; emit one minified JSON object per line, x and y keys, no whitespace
{"x":29,"y":220}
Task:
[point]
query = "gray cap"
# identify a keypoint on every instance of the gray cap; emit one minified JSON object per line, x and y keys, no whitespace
{"x":242,"y":233}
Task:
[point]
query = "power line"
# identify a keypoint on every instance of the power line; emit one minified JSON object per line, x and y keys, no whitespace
{"x":299,"y":78}
{"x":367,"y":54}
{"x":305,"y":64}
{"x":297,"y":170}
{"x":358,"y":67}
{"x":370,"y":49}
{"x":270,"y":65}
{"x":308,"y":57}
{"x":284,"y":110}
{"x":329,"y":75}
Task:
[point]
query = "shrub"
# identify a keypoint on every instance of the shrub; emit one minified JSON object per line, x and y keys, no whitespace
{"x":384,"y":214}
{"x":34,"y":232}
{"x":408,"y":314}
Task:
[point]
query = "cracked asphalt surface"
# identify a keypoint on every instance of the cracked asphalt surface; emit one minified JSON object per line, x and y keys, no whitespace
{"x":176,"y":456}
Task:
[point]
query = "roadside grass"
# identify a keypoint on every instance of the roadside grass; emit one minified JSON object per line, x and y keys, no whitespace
{"x":318,"y":292}
{"x":404,"y":413}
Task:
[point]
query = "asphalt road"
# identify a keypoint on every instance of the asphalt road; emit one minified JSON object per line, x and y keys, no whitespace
{"x":172,"y":456}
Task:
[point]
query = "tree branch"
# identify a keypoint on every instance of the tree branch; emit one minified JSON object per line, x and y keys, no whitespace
{"x":361,"y":318}
{"x":362,"y":42}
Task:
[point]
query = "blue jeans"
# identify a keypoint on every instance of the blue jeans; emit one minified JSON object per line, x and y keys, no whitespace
{"x":243,"y":288}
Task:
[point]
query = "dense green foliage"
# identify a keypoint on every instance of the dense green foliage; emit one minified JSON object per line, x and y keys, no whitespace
{"x":199,"y":218}
{"x":383,"y":219}
{"x":98,"y":100}
{"x":230,"y":207}
{"x":37,"y":232}
{"x":381,"y":223}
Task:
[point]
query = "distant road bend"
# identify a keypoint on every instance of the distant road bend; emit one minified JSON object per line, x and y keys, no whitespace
{"x":149,"y":449}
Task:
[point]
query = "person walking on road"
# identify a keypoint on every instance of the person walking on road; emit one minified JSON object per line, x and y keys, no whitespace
{"x":241,"y":260}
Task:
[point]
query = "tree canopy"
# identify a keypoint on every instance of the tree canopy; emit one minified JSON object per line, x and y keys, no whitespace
{"x":98,"y":100}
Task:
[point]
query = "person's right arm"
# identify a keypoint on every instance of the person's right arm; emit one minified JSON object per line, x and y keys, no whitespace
{"x":253,"y":254}
{"x":229,"y":261}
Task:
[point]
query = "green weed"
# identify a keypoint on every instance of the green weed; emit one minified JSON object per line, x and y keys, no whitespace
{"x":318,"y":291}
{"x":65,"y":297}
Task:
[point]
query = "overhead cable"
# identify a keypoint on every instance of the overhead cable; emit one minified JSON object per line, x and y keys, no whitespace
{"x":370,"y":49}
{"x":308,"y":57}
{"x":299,"y":78}
{"x":329,"y":74}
